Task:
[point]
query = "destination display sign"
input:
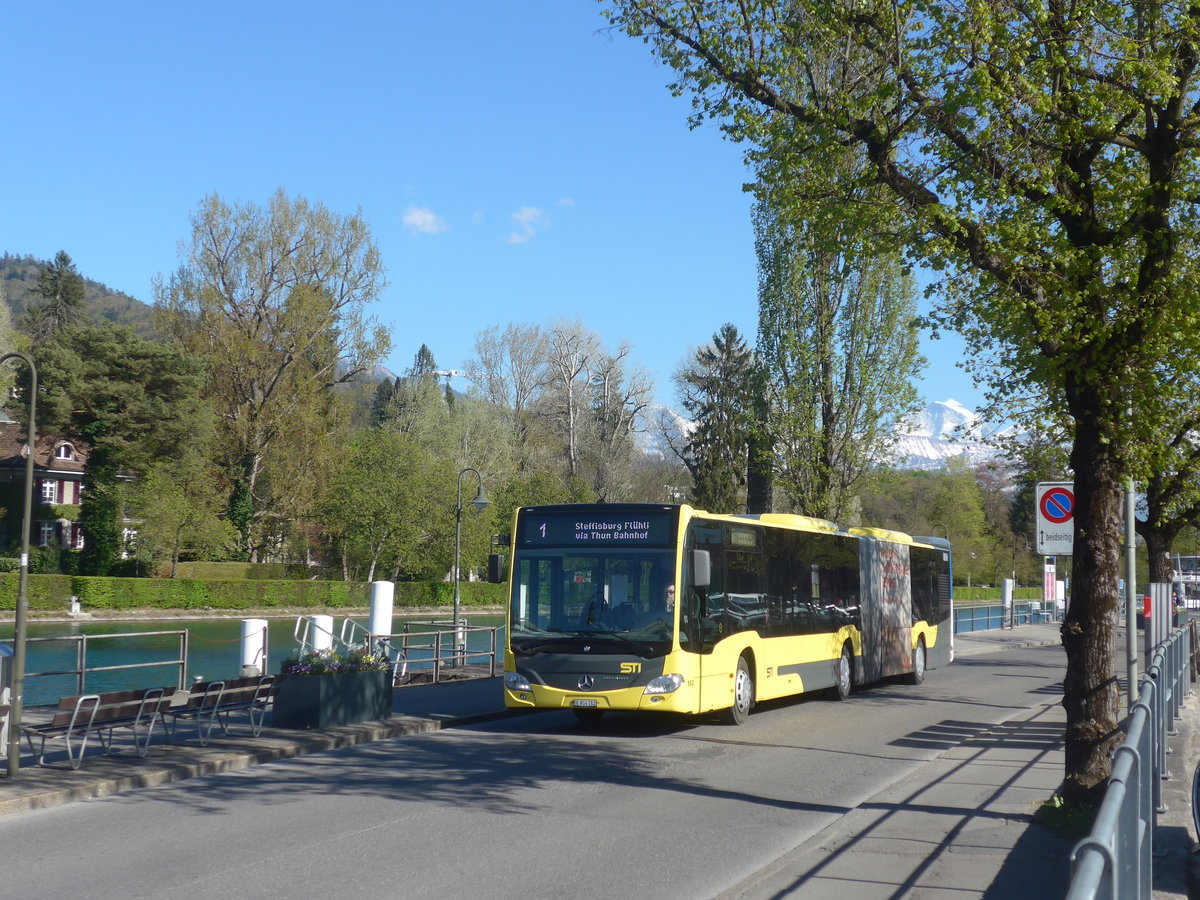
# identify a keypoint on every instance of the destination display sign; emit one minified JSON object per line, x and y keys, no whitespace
{"x":636,"y":528}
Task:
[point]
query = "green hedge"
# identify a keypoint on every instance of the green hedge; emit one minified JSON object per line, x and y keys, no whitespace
{"x":46,"y":592}
{"x":237,"y":571}
{"x":994,"y":595}
{"x":54,"y":592}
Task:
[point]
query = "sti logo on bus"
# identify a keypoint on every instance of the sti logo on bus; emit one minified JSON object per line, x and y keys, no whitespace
{"x":630,"y":668}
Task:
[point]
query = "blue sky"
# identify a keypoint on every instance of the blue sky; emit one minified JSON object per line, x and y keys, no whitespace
{"x":516,"y":162}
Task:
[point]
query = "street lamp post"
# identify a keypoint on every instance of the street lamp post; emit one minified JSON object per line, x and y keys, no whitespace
{"x":480,"y":502}
{"x":1012,"y":616}
{"x":1025,"y":543}
{"x":16,"y":703}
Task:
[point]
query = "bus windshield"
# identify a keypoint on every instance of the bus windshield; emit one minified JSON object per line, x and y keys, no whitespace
{"x":618,"y":601}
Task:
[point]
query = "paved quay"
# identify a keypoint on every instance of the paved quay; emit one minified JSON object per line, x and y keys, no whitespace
{"x":960,"y":826}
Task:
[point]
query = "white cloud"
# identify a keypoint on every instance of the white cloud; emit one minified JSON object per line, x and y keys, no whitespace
{"x":529,"y":219}
{"x":423,"y":221}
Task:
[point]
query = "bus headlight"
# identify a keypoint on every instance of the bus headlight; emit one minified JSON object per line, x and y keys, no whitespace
{"x":664,"y":684}
{"x":515,"y":681}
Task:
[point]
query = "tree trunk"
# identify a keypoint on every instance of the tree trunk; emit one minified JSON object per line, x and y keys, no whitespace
{"x":1090,"y":690}
{"x":1158,"y":547}
{"x":760,"y":452}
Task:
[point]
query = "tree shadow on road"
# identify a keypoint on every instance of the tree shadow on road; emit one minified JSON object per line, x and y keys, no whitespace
{"x":496,"y":772}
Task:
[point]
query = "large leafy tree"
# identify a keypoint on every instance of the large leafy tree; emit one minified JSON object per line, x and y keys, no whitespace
{"x":273,"y":300}
{"x":389,"y":510}
{"x":1044,"y":157}
{"x":179,"y":510}
{"x":837,"y":342}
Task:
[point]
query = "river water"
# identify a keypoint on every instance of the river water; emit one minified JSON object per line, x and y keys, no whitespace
{"x":213,"y":651}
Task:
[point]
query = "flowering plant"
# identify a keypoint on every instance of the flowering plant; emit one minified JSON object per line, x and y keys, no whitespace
{"x":330,"y":662}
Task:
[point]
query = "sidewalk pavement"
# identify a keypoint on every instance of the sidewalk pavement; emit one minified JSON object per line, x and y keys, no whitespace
{"x":960,"y":826}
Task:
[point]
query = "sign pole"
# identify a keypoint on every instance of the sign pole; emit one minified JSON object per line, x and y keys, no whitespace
{"x":1131,"y":598}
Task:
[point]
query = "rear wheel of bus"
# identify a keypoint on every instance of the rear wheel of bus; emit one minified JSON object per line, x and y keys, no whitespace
{"x":843,"y":676}
{"x":917,"y":675}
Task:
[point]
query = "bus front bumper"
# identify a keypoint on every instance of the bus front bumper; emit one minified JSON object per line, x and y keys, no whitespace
{"x":631,"y":699}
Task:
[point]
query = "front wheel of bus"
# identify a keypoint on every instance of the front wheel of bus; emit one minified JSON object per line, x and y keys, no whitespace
{"x":743,"y":693}
{"x":844,"y":676}
{"x":917,"y":675}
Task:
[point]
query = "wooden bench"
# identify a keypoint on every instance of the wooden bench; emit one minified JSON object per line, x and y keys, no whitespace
{"x":80,"y":716}
{"x":210,"y":703}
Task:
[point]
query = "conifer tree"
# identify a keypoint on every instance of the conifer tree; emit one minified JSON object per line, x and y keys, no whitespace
{"x":62,"y":305}
{"x":716,"y":390}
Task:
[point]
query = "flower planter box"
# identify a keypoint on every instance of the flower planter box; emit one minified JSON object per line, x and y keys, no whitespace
{"x":323,"y":701}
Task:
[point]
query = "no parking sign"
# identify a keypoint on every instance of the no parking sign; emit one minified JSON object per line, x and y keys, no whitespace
{"x":1055,"y":501}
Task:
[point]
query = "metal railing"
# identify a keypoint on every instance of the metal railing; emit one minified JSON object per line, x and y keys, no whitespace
{"x":987,"y":617}
{"x":1116,"y":859}
{"x":306,"y":629}
{"x":84,"y":641}
{"x":436,"y":647}
{"x":420,"y":647}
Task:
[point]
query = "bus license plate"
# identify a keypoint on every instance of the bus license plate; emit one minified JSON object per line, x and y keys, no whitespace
{"x":586,"y":704}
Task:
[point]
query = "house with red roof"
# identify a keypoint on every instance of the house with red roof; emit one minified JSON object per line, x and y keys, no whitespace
{"x":58,"y":467}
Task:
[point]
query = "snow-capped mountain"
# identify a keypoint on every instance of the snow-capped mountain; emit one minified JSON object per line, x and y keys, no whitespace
{"x":944,"y":429}
{"x":662,"y":425}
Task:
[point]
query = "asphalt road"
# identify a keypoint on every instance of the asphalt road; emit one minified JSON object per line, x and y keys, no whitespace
{"x":531,"y":806}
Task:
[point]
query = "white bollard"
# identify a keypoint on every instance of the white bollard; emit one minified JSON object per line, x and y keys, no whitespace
{"x":382,"y":601}
{"x":254,"y":647}
{"x":322,"y":632}
{"x":5,"y":699}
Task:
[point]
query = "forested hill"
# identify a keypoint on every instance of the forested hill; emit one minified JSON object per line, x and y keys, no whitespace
{"x":19,"y":274}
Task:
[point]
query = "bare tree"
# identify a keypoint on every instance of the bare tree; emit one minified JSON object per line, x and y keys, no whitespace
{"x":273,"y":301}
{"x":510,"y":369}
{"x":572,"y":353}
{"x":619,"y":399}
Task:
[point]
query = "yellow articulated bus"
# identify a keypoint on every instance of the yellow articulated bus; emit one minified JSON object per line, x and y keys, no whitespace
{"x":668,"y":608}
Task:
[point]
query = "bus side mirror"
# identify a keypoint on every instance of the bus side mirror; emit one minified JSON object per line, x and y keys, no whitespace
{"x":496,"y":568}
{"x":701,"y":569}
